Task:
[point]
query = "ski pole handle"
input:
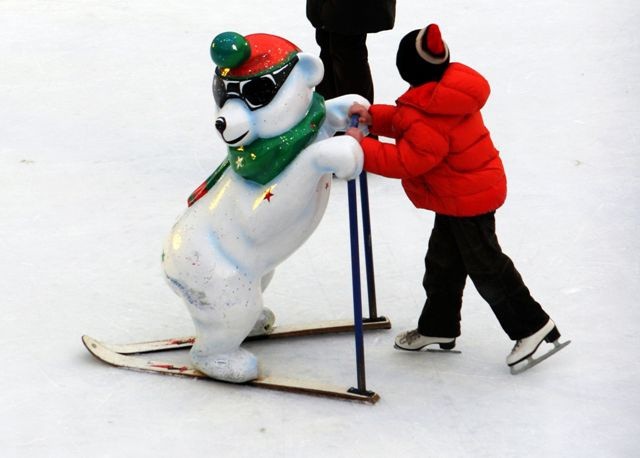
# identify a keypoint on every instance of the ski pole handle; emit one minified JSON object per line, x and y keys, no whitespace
{"x":353,"y":122}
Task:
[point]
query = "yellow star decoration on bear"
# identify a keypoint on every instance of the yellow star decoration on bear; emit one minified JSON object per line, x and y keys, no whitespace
{"x":239,"y":162}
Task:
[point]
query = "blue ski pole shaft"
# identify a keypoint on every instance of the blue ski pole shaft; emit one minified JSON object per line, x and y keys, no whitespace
{"x":355,"y":277}
{"x":368,"y":247}
{"x":368,"y":243}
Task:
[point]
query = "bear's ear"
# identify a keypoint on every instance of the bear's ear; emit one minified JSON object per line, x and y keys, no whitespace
{"x":311,"y":67}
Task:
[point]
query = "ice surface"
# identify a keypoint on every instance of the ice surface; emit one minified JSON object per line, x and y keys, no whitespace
{"x":107,"y":126}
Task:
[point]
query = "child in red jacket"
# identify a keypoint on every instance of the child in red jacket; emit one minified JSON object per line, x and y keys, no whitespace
{"x":446,"y":160}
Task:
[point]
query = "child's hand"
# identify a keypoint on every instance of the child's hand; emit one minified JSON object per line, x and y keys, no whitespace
{"x":362,"y":112}
{"x":355,"y":133}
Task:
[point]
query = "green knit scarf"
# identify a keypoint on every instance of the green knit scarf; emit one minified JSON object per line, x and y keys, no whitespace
{"x":264,"y":159}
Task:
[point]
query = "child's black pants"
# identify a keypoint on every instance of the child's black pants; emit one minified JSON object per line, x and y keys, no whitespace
{"x":468,"y":246}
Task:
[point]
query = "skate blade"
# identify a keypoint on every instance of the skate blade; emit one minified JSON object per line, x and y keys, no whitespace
{"x":431,"y":350}
{"x":531,"y":361}
{"x":440,"y":350}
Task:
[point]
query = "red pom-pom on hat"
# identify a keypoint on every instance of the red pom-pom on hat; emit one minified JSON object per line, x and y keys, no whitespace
{"x":430,"y":45}
{"x":435,"y":45}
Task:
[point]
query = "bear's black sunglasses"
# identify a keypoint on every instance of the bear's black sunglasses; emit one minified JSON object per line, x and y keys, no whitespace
{"x":255,"y":92}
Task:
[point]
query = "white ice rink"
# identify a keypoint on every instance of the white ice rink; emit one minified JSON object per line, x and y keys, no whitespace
{"x":106,"y":127}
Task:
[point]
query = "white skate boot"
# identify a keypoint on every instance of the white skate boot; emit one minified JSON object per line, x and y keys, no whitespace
{"x":525,"y":348}
{"x":414,"y":341}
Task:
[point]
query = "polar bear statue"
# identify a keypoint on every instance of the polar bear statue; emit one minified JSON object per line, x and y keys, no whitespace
{"x":263,"y":201}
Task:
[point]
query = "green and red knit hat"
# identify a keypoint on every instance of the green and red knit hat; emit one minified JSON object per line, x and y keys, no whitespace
{"x":242,"y":57}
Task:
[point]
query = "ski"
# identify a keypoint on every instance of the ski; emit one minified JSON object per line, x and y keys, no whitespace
{"x":107,"y":354}
{"x":325,"y":327}
{"x":531,"y":361}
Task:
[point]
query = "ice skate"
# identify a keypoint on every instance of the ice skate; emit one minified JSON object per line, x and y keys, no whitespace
{"x":524,"y":349}
{"x":414,"y":341}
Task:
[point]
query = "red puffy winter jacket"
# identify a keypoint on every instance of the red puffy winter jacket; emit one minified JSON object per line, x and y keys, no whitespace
{"x":443,"y":152}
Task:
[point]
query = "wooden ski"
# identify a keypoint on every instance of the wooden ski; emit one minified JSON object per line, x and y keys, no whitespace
{"x":107,"y":354}
{"x":325,"y":327}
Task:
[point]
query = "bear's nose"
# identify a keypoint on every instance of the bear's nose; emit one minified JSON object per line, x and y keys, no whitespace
{"x":221,"y":124}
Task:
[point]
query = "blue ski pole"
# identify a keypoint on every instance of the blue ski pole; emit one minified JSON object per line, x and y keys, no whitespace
{"x":355,"y":277}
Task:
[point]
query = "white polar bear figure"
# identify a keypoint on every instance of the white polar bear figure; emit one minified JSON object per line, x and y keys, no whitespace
{"x":264,"y":201}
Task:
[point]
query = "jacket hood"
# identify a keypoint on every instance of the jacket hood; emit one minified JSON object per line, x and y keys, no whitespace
{"x":460,"y":91}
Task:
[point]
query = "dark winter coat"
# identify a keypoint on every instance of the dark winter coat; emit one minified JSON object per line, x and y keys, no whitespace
{"x":350,"y":17}
{"x":443,"y":152}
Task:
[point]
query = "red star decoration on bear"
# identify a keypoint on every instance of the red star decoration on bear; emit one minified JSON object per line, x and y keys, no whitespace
{"x":268,"y":195}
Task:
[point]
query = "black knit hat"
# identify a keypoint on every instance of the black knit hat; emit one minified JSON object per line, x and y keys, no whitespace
{"x":422,"y":56}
